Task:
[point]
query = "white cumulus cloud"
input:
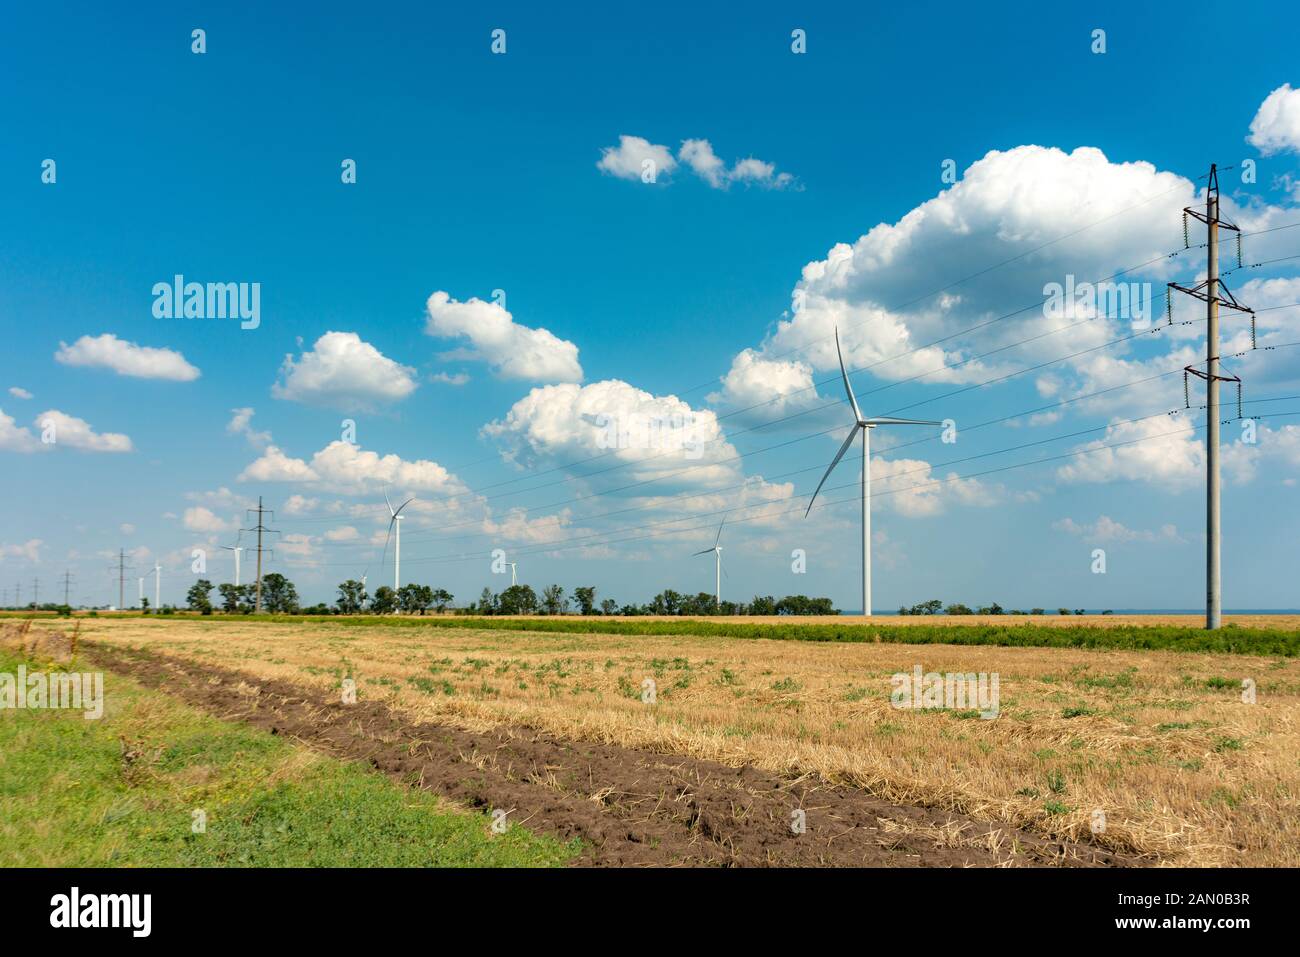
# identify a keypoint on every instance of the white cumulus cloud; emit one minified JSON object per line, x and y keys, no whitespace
{"x":347,"y":468}
{"x":343,"y":371}
{"x":514,"y":351}
{"x":1276,"y":126}
{"x":201,"y":519}
{"x":68,"y":431}
{"x":634,"y":157}
{"x":126,"y":358}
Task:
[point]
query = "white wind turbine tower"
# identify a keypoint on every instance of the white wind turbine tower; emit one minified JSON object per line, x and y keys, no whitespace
{"x":395,"y":521}
{"x":513,"y":579}
{"x":141,"y":580}
{"x":157,"y":585}
{"x":866,"y":425}
{"x":236,"y":549}
{"x":717,"y":565}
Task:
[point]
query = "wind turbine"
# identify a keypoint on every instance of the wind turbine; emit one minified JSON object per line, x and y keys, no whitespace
{"x":866,"y":425}
{"x":395,"y":521}
{"x":157,"y":585}
{"x":717,"y":565}
{"x":141,"y":580}
{"x":513,"y":579}
{"x":236,"y":549}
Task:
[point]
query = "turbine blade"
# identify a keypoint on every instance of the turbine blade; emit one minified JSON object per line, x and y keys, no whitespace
{"x":890,"y":420}
{"x":844,"y":373}
{"x":388,"y":503}
{"x":719,"y":538}
{"x":705,"y":552}
{"x":853,"y":434}
{"x":402,"y":506}
{"x":384,"y":557}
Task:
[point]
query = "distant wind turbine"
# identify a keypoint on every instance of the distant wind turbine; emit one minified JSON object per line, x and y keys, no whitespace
{"x":395,"y":522}
{"x":236,"y":549}
{"x":141,"y":591}
{"x":717,"y":564}
{"x":866,"y":425}
{"x":157,"y":585}
{"x":513,"y":578}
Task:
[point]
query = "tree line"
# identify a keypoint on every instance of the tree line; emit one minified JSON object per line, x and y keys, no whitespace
{"x":934,"y":607}
{"x":279,"y":596}
{"x":523,"y":600}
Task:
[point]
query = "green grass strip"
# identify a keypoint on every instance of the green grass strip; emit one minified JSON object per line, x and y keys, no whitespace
{"x":74,"y":795}
{"x":1229,"y":640}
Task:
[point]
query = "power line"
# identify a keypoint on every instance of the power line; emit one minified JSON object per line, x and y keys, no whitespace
{"x":730,"y":437}
{"x":784,"y":397}
{"x":584,"y":541}
{"x":741,"y":485}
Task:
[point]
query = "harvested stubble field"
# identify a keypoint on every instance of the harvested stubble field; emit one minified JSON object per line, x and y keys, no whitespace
{"x":1161,"y":742}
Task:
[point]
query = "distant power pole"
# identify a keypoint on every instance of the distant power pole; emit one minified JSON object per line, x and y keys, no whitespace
{"x":121,"y":579}
{"x":1215,"y":294}
{"x":67,"y":586}
{"x":36,"y":593}
{"x":260,"y":527}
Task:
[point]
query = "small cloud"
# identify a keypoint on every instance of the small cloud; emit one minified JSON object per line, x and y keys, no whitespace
{"x":19,"y":393}
{"x":126,"y":528}
{"x":299,"y":505}
{"x":459,"y":378}
{"x":1106,"y":529}
{"x":634,"y":157}
{"x":1276,"y":126}
{"x":74,"y":433}
{"x":200,"y":519}
{"x":241,"y":424}
{"x":29,"y":551}
{"x":708,"y":166}
{"x":126,"y":358}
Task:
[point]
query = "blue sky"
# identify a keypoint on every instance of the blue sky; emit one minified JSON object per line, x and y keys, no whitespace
{"x":479,"y":172}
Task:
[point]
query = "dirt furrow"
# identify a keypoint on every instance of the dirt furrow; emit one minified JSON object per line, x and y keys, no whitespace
{"x":629,"y":807}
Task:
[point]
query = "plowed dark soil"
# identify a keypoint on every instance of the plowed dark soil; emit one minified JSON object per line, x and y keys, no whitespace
{"x":629,"y":807}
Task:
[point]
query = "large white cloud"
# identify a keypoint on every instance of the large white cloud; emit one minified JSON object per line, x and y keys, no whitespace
{"x":759,"y":390}
{"x":612,"y":423}
{"x":343,"y":371}
{"x":1162,"y":451}
{"x":1012,"y":207}
{"x":514,"y":351}
{"x":345,"y":467}
{"x":1039,"y":216}
{"x":126,"y":358}
{"x":1276,"y":126}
